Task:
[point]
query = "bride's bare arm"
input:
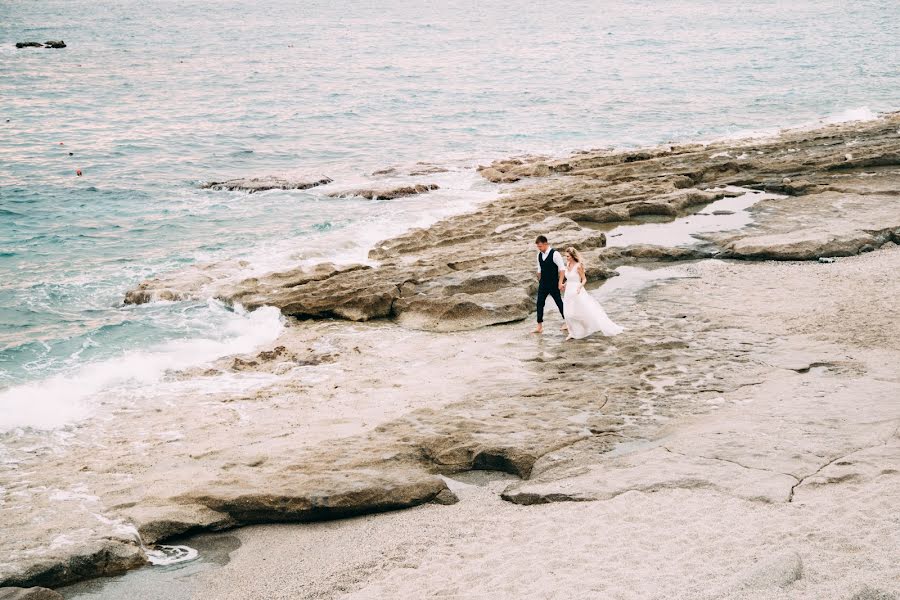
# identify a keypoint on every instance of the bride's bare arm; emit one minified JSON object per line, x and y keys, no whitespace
{"x":581,"y":278}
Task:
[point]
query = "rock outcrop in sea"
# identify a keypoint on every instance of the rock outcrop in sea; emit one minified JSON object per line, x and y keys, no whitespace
{"x":261,"y":184}
{"x":48,"y":44}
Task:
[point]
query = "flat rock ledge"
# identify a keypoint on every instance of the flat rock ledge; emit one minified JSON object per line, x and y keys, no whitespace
{"x":387,"y":193}
{"x":261,"y":184}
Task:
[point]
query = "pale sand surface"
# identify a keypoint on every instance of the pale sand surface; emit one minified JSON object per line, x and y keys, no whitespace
{"x":825,"y":437}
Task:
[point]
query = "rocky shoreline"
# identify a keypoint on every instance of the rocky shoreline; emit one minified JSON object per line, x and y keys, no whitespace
{"x":397,"y":352}
{"x":468,"y":271}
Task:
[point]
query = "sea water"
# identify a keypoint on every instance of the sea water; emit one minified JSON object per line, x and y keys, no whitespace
{"x":150,"y":99}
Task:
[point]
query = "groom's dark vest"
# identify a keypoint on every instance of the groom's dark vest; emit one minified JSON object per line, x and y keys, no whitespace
{"x":549,"y":271}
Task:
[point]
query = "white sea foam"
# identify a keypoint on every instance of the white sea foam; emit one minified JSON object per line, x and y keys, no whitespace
{"x":57,"y":401}
{"x":163,"y":556}
{"x":862,"y":113}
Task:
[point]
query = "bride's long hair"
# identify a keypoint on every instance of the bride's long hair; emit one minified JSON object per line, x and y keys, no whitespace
{"x":574,"y":253}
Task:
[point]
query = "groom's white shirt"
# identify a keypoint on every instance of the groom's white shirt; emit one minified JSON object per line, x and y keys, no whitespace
{"x":557,"y":258}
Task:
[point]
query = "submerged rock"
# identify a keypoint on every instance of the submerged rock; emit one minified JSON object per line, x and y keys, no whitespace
{"x":29,"y":45}
{"x":260,"y":184}
{"x":423,"y":168}
{"x":55,"y":44}
{"x":387,"y":193}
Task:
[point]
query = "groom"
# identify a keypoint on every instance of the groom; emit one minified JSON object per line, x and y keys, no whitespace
{"x":551,"y":269}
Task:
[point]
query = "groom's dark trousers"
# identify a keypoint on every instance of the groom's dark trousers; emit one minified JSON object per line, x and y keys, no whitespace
{"x":549,"y":285}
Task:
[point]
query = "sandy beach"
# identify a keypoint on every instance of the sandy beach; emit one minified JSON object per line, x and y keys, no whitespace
{"x":741,"y":439}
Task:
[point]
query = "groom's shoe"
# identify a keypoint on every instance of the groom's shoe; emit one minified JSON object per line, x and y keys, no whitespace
{"x":539,"y":329}
{"x":564,"y":327}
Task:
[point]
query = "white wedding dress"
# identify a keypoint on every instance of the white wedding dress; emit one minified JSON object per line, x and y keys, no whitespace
{"x":584,"y":315}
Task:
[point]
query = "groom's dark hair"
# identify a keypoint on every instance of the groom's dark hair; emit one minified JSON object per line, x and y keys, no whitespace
{"x":541,"y":239}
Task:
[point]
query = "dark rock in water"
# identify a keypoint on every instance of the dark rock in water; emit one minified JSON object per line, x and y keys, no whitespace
{"x":260,"y":184}
{"x":48,"y":44}
{"x":387,"y":194}
{"x":385,"y":171}
{"x":421,"y":168}
{"x":424,"y":168}
{"x":32,"y":593}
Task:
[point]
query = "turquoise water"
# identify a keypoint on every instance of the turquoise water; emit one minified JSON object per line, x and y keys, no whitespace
{"x":152,"y":98}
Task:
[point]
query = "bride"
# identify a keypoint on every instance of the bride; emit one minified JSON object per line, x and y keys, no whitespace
{"x":584,"y":315}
